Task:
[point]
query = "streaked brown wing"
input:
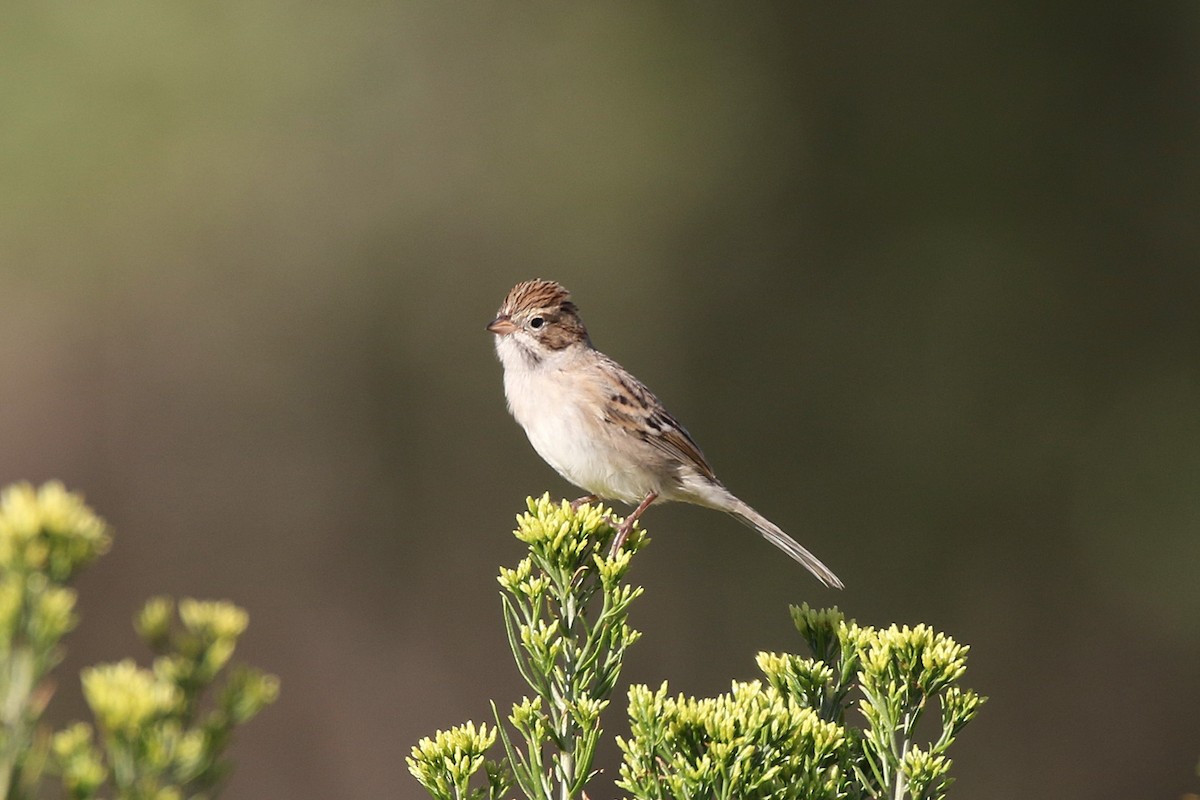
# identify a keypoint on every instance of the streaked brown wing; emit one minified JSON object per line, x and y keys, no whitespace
{"x":676,"y":441}
{"x":642,"y":415}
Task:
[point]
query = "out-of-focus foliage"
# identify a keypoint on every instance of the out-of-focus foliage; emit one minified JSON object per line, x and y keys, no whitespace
{"x":47,"y":534}
{"x":156,"y":741}
{"x":161,"y":731}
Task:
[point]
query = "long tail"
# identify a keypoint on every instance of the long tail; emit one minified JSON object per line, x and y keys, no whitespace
{"x":775,"y":535}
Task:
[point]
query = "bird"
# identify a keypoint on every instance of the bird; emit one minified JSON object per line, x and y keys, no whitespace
{"x":599,"y":427}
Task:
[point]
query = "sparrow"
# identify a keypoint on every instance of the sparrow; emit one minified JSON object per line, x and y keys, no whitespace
{"x":601,"y":428}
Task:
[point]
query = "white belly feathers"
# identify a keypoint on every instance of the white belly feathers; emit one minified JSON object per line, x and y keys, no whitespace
{"x":546,"y":403}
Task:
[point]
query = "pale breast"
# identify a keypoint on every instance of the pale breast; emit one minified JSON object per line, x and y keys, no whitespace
{"x":562,"y":414}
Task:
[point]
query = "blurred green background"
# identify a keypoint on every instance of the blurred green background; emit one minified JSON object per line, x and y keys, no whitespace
{"x":923,"y":280}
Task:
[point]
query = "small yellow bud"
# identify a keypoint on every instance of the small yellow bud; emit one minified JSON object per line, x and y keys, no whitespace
{"x":125,"y":698}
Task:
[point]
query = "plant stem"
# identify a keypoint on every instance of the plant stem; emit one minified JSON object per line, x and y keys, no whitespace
{"x":20,"y":682}
{"x":566,"y":763}
{"x":901,"y":788}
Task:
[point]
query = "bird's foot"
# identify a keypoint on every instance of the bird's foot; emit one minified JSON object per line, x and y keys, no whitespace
{"x":622,"y":534}
{"x":627,"y":525}
{"x":583,"y":501}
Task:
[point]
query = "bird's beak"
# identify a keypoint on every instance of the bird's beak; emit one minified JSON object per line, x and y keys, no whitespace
{"x":501,"y":326}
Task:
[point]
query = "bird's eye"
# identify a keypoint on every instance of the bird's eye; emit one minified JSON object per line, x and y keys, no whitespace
{"x":536,"y":323}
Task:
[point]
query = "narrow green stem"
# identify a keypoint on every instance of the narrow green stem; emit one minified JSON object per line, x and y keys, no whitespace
{"x":567,"y":764}
{"x":901,"y":786}
{"x":19,"y":683}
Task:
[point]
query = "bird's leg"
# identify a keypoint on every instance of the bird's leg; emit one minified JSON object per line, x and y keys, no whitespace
{"x":627,"y":526}
{"x":583,"y":501}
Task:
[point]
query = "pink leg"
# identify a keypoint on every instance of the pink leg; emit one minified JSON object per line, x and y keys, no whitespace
{"x":623,"y":531}
{"x":583,"y":501}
